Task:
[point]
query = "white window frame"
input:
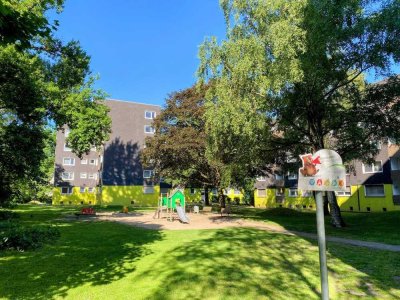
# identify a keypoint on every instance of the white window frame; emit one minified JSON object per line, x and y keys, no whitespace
{"x":148,"y":189}
{"x":152,"y":113}
{"x":261,"y":178}
{"x":365,"y":190}
{"x":150,"y":173}
{"x":70,"y":164}
{"x":192,"y":191}
{"x":152,"y":131}
{"x":293,"y":193}
{"x":68,"y":179}
{"x":83,"y":175}
{"x":94,"y":161}
{"x":373,"y":168}
{"x":258,"y":192}
{"x":82,"y":189}
{"x":84,"y":161}
{"x":66,"y":132}
{"x":91,"y":190}
{"x":66,"y":148}
{"x":345,"y":193}
{"x":69,"y":189}
{"x":92,"y":176}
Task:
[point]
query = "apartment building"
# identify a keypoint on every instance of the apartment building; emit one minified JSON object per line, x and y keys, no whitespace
{"x":112,"y":175}
{"x":370,"y":187}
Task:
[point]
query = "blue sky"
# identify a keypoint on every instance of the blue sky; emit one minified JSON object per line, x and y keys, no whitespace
{"x":142,"y":49}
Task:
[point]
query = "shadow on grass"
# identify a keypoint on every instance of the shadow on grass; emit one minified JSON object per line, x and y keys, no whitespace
{"x":88,"y":253}
{"x":236,"y":263}
{"x":249,"y":264}
{"x":377,"y":227}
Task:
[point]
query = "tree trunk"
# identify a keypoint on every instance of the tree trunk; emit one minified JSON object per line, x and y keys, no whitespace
{"x":221,"y":197}
{"x":206,"y":197}
{"x":336,"y":216}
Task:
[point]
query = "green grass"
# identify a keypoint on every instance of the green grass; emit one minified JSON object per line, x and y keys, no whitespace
{"x":377,"y":227}
{"x":105,"y":260}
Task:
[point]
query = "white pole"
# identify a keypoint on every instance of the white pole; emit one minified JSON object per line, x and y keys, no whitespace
{"x":322,"y":246}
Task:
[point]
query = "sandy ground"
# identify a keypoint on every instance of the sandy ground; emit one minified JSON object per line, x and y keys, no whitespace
{"x":197,"y":221}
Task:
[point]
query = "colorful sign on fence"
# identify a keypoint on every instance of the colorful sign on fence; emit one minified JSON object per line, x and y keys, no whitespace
{"x":322,"y":171}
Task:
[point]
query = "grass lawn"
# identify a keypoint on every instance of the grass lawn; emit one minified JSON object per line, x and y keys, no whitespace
{"x":377,"y":227}
{"x":104,"y":260}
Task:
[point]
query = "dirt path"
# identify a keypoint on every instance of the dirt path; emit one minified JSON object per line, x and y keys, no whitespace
{"x":215,"y":221}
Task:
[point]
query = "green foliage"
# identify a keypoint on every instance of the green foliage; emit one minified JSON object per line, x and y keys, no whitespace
{"x":288,"y":79}
{"x":44,"y":85}
{"x":178,"y":149}
{"x":7,"y":215}
{"x":14,"y":236}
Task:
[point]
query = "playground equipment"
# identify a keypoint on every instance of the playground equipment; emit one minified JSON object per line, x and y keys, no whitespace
{"x":169,"y":202}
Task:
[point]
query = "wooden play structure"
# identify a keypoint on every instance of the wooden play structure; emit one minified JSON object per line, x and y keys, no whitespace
{"x":168,"y":203}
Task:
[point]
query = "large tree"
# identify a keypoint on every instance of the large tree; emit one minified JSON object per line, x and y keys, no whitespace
{"x":43,"y":82}
{"x":178,"y":150}
{"x":300,"y":66}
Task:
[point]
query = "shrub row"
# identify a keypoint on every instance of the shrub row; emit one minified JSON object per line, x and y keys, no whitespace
{"x":15,"y":236}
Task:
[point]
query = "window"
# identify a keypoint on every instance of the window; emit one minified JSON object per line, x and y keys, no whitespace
{"x":66,"y":190}
{"x":347,"y":192}
{"x":91,"y":190}
{"x":93,"y":162}
{"x":374,"y":190}
{"x":261,"y":193}
{"x":66,"y":148}
{"x":83,"y":175}
{"x":66,"y":132}
{"x":82,"y":189}
{"x":280,"y":192}
{"x":236,"y":192}
{"x":67,"y":175}
{"x":192,"y":190}
{"x":261,"y":178}
{"x":293,"y":193}
{"x":306,"y":193}
{"x":278,"y":177}
{"x":84,"y":161}
{"x":149,"y":114}
{"x":292,"y":175}
{"x":149,"y":129}
{"x":92,"y":176}
{"x":147,"y":173}
{"x":395,"y":163}
{"x":376,"y":167}
{"x":148,"y":189}
{"x":68,"y":161}
{"x":93,"y":148}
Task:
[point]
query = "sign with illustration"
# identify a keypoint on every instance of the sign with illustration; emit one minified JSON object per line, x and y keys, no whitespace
{"x":322,"y":171}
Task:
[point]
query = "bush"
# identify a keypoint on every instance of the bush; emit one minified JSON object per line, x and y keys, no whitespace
{"x":7,"y":215}
{"x":17,"y":237}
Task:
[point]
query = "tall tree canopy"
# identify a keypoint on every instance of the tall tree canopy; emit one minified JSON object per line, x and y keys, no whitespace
{"x":299,"y":66}
{"x":43,"y":82}
{"x":178,"y":150}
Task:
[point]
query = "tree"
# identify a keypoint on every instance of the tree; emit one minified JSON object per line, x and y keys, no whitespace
{"x":43,"y":83}
{"x":300,"y":66}
{"x":178,"y":149}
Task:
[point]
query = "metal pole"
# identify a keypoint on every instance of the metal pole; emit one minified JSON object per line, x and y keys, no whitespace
{"x":322,"y":246}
